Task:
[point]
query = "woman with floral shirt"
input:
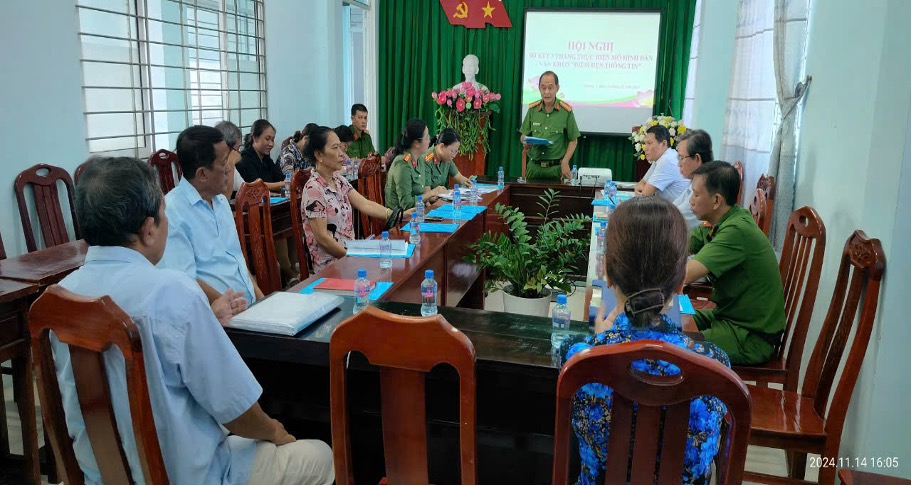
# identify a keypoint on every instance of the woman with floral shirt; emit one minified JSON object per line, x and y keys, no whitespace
{"x":646,"y":255}
{"x":327,"y":201}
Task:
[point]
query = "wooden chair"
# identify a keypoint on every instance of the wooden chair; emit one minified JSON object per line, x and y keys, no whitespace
{"x":740,"y":168}
{"x":405,"y":349}
{"x":810,"y":422}
{"x":254,"y":226}
{"x":168,"y":167}
{"x":90,"y":327}
{"x":767,"y":184}
{"x":760,"y":211}
{"x":43,"y":180}
{"x":799,"y":268}
{"x":298,"y":181}
{"x":659,"y":400}
{"x":78,"y":172}
{"x":369,"y":173}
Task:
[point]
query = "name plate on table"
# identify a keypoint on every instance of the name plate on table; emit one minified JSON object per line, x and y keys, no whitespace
{"x":371,"y":248}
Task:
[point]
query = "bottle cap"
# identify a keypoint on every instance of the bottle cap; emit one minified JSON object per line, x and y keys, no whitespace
{"x":574,"y":166}
{"x":561,"y":299}
{"x":603,"y":224}
{"x":455,"y":186}
{"x":385,"y":234}
{"x":362,"y":273}
{"x":419,"y":198}
{"x":428,"y":274}
{"x":500,"y":168}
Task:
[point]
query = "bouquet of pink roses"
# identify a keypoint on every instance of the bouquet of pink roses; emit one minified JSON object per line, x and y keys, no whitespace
{"x":467,"y":110}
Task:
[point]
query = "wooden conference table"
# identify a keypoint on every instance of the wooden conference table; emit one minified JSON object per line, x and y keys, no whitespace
{"x":516,"y":372}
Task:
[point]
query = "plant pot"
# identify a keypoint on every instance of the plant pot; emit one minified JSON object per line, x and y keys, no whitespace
{"x":537,"y":306}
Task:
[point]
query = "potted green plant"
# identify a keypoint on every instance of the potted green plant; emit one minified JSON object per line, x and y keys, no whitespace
{"x":527,"y":267}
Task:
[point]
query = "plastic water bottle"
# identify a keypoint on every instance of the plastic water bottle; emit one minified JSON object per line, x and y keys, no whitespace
{"x":386,"y":250}
{"x":355,"y":167}
{"x":574,"y":176}
{"x":457,"y":199}
{"x":473,"y":191}
{"x":560,"y":322}
{"x":500,"y":177}
{"x":607,"y":189}
{"x":429,"y":294}
{"x":612,"y":193}
{"x":415,"y":229}
{"x":362,"y":291}
{"x":286,"y":191}
{"x":419,"y":208}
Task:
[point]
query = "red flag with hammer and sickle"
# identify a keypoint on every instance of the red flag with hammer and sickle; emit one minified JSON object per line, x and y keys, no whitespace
{"x":476,"y":14}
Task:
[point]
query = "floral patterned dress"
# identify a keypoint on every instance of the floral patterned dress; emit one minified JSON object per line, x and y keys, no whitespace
{"x":319,"y":200}
{"x":591,"y":413}
{"x":291,"y":159}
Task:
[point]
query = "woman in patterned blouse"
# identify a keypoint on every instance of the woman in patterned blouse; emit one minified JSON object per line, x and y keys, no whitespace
{"x":646,"y":255}
{"x":327,"y":201}
{"x":291,"y":158}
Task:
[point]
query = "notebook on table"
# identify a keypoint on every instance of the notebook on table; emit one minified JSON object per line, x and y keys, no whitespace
{"x":340,"y":286}
{"x":285,"y":313}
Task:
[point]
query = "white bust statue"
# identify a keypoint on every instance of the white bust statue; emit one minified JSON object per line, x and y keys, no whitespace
{"x":470,"y":70}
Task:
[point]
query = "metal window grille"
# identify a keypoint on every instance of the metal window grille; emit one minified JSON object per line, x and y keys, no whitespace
{"x":151,"y":68}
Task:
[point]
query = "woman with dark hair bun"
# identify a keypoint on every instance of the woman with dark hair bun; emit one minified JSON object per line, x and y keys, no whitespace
{"x":291,"y":158}
{"x":327,"y":201}
{"x":646,"y":257}
{"x":256,"y":162}
{"x":438,"y":162}
{"x":405,"y":178}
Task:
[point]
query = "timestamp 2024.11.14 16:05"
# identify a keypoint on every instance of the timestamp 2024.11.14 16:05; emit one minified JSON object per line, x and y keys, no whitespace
{"x":854,"y":462}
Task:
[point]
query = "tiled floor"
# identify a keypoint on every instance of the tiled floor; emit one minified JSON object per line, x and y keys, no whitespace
{"x":759,"y":459}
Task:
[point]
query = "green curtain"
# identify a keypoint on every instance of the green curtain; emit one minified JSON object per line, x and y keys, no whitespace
{"x":420,"y":52}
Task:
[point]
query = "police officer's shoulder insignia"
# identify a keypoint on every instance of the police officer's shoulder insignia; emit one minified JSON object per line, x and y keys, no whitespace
{"x":429,"y":156}
{"x":566,"y":106}
{"x":535,"y":104}
{"x":408,"y":157}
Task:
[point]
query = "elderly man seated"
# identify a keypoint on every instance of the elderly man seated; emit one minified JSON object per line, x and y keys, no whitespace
{"x":202,"y":235}
{"x":199,"y":387}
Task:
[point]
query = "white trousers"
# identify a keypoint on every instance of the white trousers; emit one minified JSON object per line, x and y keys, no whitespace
{"x":299,"y":462}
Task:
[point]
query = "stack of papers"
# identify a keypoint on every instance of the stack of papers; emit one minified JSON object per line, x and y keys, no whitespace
{"x":482,"y":189}
{"x":371,"y":248}
{"x":285,"y":313}
{"x":434,"y":227}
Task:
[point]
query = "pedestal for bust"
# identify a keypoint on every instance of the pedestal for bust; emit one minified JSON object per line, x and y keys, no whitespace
{"x":476,"y":164}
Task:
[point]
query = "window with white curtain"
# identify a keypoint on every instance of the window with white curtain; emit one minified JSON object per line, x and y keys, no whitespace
{"x":151,"y":68}
{"x":354,"y":15}
{"x":690,"y":87}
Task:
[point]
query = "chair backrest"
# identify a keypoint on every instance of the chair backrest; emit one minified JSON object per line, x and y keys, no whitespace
{"x":254,"y":226}
{"x":767,"y":184}
{"x":369,"y":173}
{"x":759,"y":209}
{"x":660,"y":401}
{"x":43,"y":180}
{"x":740,"y":168}
{"x":78,"y":172}
{"x":857,"y":284}
{"x":405,"y":349}
{"x":298,"y":181}
{"x":90,"y":327}
{"x":168,"y":167}
{"x":799,"y":267}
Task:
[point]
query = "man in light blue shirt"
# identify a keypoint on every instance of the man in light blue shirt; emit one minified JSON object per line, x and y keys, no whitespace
{"x":202,"y":236}
{"x":197,"y":381}
{"x":663,"y":178}
{"x":694,"y":148}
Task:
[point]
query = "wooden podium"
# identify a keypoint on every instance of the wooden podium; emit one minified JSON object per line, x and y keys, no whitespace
{"x":476,"y":164}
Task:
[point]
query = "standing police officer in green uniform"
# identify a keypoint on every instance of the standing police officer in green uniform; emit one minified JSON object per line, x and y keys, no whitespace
{"x":551,"y":119}
{"x":729,"y":249}
{"x":362,"y":146}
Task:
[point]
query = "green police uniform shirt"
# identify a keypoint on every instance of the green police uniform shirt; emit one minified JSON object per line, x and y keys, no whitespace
{"x":362,"y":146}
{"x":747,"y":288}
{"x":437,"y":173}
{"x":557,"y":125}
{"x":404,"y":181}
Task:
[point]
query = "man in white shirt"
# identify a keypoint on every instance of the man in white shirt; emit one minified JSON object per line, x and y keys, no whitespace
{"x":663,"y":178}
{"x":202,"y":235}
{"x":694,"y":148}
{"x":199,"y":387}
